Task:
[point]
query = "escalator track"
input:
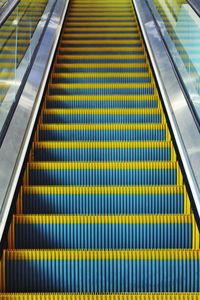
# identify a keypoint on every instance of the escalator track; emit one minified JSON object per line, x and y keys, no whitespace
{"x":103,"y":211}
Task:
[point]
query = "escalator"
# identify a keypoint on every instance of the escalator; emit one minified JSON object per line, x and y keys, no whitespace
{"x":15,"y":37}
{"x":102,"y":211}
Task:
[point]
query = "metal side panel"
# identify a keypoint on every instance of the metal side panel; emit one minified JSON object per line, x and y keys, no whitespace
{"x":15,"y":144}
{"x":181,"y":119}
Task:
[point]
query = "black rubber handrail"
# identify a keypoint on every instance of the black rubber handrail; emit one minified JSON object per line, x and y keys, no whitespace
{"x":7,"y":9}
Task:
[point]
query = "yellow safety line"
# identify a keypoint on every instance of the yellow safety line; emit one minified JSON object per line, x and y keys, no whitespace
{"x":102,"y":65}
{"x":103,"y":75}
{"x":92,"y":35}
{"x":104,"y":144}
{"x":103,"y":98}
{"x":104,"y":219}
{"x":157,"y":165}
{"x":113,"y":23}
{"x":132,"y":190}
{"x":93,"y":50}
{"x":101,"y":85}
{"x":130,"y":296}
{"x":103,"y":111}
{"x":104,"y":42}
{"x":175,"y":254}
{"x":92,"y":190}
{"x":103,"y":56}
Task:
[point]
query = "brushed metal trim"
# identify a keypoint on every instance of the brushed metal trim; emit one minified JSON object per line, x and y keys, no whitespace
{"x":181,"y":120}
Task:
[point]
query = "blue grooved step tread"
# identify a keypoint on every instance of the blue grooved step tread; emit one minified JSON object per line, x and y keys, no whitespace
{"x":105,"y":203}
{"x":103,"y":236}
{"x":102,"y":154}
{"x":103,"y":275}
{"x":103,"y":177}
{"x":102,"y":135}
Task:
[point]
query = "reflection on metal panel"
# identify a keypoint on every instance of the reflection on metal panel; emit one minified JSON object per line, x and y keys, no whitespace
{"x":182,"y":122}
{"x":181,"y":32}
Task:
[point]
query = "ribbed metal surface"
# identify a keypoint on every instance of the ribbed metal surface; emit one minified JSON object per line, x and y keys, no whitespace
{"x":103,"y":211}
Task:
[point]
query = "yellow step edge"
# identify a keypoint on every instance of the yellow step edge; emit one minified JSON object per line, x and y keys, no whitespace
{"x":127,"y":190}
{"x":104,"y":144}
{"x":13,"y":48}
{"x":102,"y":12}
{"x":101,"y":254}
{"x":69,"y":23}
{"x":92,"y":35}
{"x":5,"y":75}
{"x":130,"y":296}
{"x":97,"y":29}
{"x":104,"y":4}
{"x":17,"y":35}
{"x":136,"y":111}
{"x":100,"y":85}
{"x":10,"y":55}
{"x":103,"y":127}
{"x":14,"y":39}
{"x":98,"y":2}
{"x":5,"y":85}
{"x":102,"y":65}
{"x":99,"y":8}
{"x":104,"y":219}
{"x":76,"y":19}
{"x":105,"y":190}
{"x":92,"y":56}
{"x":100,"y":74}
{"x":106,"y":49}
{"x":20,"y":26}
{"x":104,"y":98}
{"x":97,"y":42}
{"x":127,"y":165}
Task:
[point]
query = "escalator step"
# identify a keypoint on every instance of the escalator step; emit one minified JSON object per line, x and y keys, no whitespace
{"x":92,"y":116}
{"x":103,"y":132}
{"x":104,"y":173}
{"x":99,"y":77}
{"x":103,"y":151}
{"x":102,"y":101}
{"x":129,"y":296}
{"x":102,"y":232}
{"x":103,"y":200}
{"x":102,"y":271}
